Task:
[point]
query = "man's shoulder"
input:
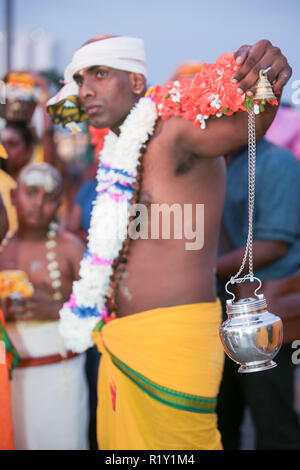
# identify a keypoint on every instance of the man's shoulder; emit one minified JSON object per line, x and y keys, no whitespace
{"x":267,"y":148}
{"x":68,"y":240}
{"x":276,"y":157}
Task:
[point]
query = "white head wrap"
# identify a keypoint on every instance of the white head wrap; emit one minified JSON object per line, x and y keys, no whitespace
{"x":121,"y":53}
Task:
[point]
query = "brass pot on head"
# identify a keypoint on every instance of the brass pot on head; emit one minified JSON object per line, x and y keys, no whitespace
{"x":19,"y":110}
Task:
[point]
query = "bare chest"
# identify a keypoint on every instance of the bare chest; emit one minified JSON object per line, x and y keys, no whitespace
{"x":43,"y":264}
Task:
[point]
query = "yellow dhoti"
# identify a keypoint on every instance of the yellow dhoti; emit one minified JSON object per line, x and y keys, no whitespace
{"x":159,"y":377}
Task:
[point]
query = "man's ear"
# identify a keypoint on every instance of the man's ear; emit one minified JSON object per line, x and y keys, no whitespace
{"x":13,"y":196}
{"x":138,"y":83}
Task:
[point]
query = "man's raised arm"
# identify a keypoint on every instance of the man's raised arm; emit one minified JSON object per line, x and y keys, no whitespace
{"x":224,"y":135}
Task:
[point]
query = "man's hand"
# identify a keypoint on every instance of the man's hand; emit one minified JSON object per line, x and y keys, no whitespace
{"x":230,"y":133}
{"x":36,"y":307}
{"x":260,"y":56}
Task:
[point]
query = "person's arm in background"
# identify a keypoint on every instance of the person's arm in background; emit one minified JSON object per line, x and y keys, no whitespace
{"x":276,"y":216}
{"x":47,"y":140}
{"x":76,"y":251}
{"x":47,"y":136}
{"x":264,"y":252}
{"x":73,"y":222}
{"x":3,"y":220}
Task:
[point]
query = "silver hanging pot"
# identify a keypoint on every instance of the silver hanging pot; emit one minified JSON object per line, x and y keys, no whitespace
{"x":251,"y":336}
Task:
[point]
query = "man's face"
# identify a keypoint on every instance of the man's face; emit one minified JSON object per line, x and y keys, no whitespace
{"x":17,"y":152}
{"x":106,"y":94}
{"x":36,"y":207}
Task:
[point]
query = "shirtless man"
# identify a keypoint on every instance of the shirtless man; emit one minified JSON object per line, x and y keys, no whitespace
{"x":49,"y":396}
{"x":174,"y":288}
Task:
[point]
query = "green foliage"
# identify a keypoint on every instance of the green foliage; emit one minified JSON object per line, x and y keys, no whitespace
{"x":248,"y":103}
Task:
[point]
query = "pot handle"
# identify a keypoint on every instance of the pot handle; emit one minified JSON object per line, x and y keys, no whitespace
{"x":240,"y":280}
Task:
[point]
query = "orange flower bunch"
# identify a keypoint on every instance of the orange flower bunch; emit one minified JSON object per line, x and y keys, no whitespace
{"x":20,"y":79}
{"x":209,"y":93}
{"x":15,"y":281}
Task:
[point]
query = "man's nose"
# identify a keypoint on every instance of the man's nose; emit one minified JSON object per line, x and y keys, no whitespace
{"x":87,"y":89}
{"x":38,"y":201}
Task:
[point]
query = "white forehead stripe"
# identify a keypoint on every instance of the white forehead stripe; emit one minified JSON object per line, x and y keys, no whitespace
{"x":39,"y":178}
{"x":122,"y":53}
{"x":41,"y":174}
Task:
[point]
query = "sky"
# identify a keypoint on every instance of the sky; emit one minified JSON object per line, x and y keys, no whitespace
{"x":174,"y":30}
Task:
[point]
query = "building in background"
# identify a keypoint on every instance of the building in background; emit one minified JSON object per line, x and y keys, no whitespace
{"x":35,"y":51}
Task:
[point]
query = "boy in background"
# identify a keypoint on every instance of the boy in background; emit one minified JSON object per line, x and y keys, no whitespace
{"x":48,"y":390}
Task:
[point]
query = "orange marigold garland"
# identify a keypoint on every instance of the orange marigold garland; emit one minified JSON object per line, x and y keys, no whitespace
{"x":209,"y":93}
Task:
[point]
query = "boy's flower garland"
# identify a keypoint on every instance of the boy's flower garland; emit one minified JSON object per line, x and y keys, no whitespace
{"x":209,"y":94}
{"x":14,"y":281}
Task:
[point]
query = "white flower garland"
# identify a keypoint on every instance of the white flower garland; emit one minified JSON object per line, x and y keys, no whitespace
{"x":110,"y":216}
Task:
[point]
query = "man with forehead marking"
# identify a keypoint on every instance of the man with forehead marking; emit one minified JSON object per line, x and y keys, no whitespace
{"x":161,"y":357}
{"x":48,"y":389}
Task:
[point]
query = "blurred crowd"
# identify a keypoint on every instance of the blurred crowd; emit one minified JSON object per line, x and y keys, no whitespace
{"x":46,"y":238}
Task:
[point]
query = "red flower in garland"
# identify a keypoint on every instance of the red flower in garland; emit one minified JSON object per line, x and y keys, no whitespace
{"x":209,"y":92}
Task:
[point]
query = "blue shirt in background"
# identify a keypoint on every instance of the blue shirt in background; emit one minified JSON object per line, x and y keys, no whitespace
{"x":277,"y":205}
{"x":85,"y":197}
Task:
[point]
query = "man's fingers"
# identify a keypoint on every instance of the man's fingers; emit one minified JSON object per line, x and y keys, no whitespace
{"x":31,"y":305}
{"x":255,"y":54}
{"x":260,"y":56}
{"x":278,"y":76}
{"x":16,"y":311}
{"x":282,"y":78}
{"x":27,"y":316}
{"x":249,"y":82}
{"x":241,"y":54}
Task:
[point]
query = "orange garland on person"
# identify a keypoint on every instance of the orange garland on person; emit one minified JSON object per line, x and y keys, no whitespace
{"x":210,"y":93}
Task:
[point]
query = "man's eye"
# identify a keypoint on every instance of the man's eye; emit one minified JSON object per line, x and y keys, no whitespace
{"x":101,"y":73}
{"x":78,"y":80}
{"x":50,"y":197}
{"x":31,"y":192}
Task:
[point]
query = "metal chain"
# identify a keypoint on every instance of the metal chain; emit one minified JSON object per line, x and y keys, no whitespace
{"x":248,"y":254}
